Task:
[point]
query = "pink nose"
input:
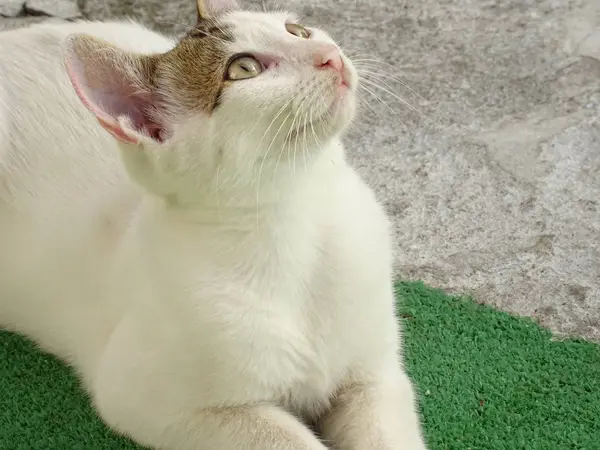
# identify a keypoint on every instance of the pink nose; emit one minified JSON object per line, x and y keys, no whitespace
{"x":329,"y":58}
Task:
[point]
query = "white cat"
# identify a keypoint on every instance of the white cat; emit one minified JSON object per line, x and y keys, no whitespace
{"x":217,"y":274}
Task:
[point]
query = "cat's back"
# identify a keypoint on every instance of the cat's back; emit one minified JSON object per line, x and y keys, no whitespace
{"x":128,"y":35}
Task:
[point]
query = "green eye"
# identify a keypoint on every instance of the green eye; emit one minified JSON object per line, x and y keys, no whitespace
{"x":297,"y":30}
{"x":243,"y":68}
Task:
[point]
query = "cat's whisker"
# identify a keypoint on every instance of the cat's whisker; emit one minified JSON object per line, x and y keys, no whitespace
{"x":368,"y":71}
{"x":304,"y":132}
{"x":298,"y":130}
{"x":220,"y":28}
{"x":363,"y":102}
{"x":279,"y":112}
{"x":367,"y":58}
{"x":260,"y":170}
{"x":276,"y":7}
{"x":266,"y":153}
{"x":285,"y":105}
{"x":237,"y":178}
{"x":209,"y":35}
{"x":286,"y":141}
{"x":380,"y":62}
{"x":264,"y":157}
{"x":253,"y":125}
{"x":282,"y":150}
{"x":308,"y":121}
{"x":305,"y":150}
{"x":217,"y":193}
{"x":394,"y":95}
{"x":310,"y":111}
{"x":369,"y":106}
{"x":384,"y":87}
{"x":274,"y":138}
{"x":316,"y":138}
{"x":302,"y":128}
{"x":355,"y":127}
{"x":350,"y":53}
{"x":295,"y":129}
{"x":376,"y":97}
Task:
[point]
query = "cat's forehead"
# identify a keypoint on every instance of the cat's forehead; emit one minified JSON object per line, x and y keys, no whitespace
{"x":258,"y":31}
{"x":266,"y":33}
{"x":244,"y":23}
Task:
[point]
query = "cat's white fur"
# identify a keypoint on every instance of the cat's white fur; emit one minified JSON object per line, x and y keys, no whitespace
{"x":206,"y":327}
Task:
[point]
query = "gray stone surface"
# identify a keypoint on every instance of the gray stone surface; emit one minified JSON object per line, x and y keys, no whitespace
{"x":64,"y":9}
{"x":495,"y":186}
{"x":11,"y":8}
{"x":18,"y":22}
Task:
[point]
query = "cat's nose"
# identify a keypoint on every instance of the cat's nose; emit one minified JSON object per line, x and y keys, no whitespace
{"x":329,"y":57}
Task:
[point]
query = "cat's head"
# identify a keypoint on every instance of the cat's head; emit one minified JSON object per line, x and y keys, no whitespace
{"x":241,"y":90}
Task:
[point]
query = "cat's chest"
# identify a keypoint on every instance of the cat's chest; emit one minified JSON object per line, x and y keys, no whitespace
{"x":287,"y":318}
{"x":327,"y":324}
{"x":298,"y":354}
{"x":296,"y":343}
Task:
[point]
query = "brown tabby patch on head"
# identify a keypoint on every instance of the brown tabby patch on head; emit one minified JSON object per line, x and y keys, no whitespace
{"x":193,"y":71}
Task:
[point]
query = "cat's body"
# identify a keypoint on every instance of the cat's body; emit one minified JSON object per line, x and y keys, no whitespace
{"x":198,"y":324}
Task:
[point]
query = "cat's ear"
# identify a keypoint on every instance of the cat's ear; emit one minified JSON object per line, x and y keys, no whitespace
{"x":116,"y":87}
{"x":211,"y":8}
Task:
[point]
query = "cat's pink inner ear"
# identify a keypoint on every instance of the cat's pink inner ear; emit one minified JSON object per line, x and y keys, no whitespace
{"x":109,"y":84}
{"x":211,"y":8}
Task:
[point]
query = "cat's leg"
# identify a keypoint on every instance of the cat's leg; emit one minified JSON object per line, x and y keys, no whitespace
{"x":148,"y":399}
{"x":374,"y":415}
{"x":263,"y":427}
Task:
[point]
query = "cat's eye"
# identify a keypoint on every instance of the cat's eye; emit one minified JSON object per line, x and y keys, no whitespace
{"x":243,"y":67}
{"x":297,"y":30}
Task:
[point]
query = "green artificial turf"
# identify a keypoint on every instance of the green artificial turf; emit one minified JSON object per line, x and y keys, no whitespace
{"x":486,"y":380}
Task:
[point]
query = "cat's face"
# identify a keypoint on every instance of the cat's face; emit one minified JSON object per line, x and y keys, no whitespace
{"x":266,"y":79}
{"x":241,"y":89}
{"x":305,"y":86}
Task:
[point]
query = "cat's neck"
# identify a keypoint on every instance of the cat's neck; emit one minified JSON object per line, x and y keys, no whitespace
{"x":258,"y":196}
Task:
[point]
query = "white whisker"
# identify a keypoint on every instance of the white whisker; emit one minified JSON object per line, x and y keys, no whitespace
{"x":381,"y":75}
{"x":296,"y":130}
{"x":382,"y":63}
{"x":262,"y":164}
{"x":362,"y":101}
{"x":265,"y":155}
{"x":397,"y":97}
{"x":312,"y":127}
{"x":376,"y":97}
{"x":304,"y":131}
{"x":286,"y":141}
